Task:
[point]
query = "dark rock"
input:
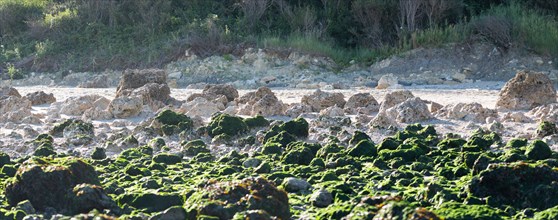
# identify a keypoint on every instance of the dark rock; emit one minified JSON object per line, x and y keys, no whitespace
{"x":40,"y":97}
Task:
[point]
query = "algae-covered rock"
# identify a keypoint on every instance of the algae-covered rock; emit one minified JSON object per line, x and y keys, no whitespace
{"x":321,"y":198}
{"x":519,"y":185}
{"x":4,"y":159}
{"x":195,"y":147}
{"x":538,"y":150}
{"x":151,"y":202}
{"x":546,"y":128}
{"x":99,"y":153}
{"x":455,"y":211}
{"x":52,"y":183}
{"x":225,"y":199}
{"x":175,"y":212}
{"x":173,"y":122}
{"x":297,"y":127}
{"x":364,"y":148}
{"x":551,"y":213}
{"x":226,"y":124}
{"x":257,"y":121}
{"x":357,"y":137}
{"x":168,"y":159}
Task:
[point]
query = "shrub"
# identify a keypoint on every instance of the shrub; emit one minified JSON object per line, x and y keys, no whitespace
{"x":496,"y":29}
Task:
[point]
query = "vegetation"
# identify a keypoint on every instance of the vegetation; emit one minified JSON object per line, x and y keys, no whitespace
{"x":49,"y":35}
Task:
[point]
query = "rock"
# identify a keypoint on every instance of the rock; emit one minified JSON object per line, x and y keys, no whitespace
{"x":320,"y":100}
{"x":546,"y":128}
{"x":410,"y":111}
{"x":295,"y":110}
{"x":9,"y":91}
{"x":383,"y":121}
{"x":125,"y":107}
{"x":388,"y":81}
{"x":434,"y":107}
{"x":14,"y":109}
{"x":518,"y":117}
{"x":153,"y":94}
{"x":362,"y":103}
{"x":133,"y":79}
{"x":201,"y":107}
{"x":467,"y":112}
{"x":393,"y":98}
{"x":224,"y":199}
{"x":332,"y":111}
{"x":519,"y":185}
{"x":76,"y":106}
{"x":547,"y":112}
{"x":221,"y":89}
{"x":66,"y":184}
{"x":526,"y":91}
{"x":261,"y":102}
{"x":40,"y":97}
{"x":172,"y":213}
{"x":99,"y":81}
{"x":79,"y":132}
{"x":226,"y":124}
{"x":268,"y":79}
{"x":538,"y":150}
{"x":292,"y":184}
{"x":321,"y":198}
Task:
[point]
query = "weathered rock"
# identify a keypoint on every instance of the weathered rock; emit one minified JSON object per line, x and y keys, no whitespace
{"x":547,"y":112}
{"x":133,"y":79}
{"x":247,"y":194}
{"x":79,"y":132}
{"x":525,"y":91}
{"x":383,"y":121}
{"x":295,"y":110}
{"x":153,"y":94}
{"x":467,"y":112}
{"x":171,"y":213}
{"x":100,"y":81}
{"x":201,"y":107}
{"x":546,"y":128}
{"x":321,"y":198}
{"x":221,"y":89}
{"x":362,"y":103}
{"x":410,"y":111}
{"x":319,"y":100}
{"x":393,"y":98}
{"x":332,"y":111}
{"x":125,"y":107}
{"x":62,"y":184}
{"x":9,"y":91}
{"x":261,"y":102}
{"x":292,"y":184}
{"x":76,"y":106}
{"x":40,"y":97}
{"x":388,"y":81}
{"x":14,"y":109}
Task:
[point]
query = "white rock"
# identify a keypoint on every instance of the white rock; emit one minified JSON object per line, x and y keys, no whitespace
{"x":126,"y":106}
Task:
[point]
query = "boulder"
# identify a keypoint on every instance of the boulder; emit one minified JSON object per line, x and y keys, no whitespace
{"x":153,"y":94}
{"x":410,"y":111}
{"x":100,"y":81}
{"x":76,"y":106}
{"x":133,"y":79}
{"x":201,"y":107}
{"x":547,"y":112}
{"x":14,"y":109}
{"x":221,"y":89}
{"x":319,"y":100}
{"x":297,"y":109}
{"x":332,"y":111}
{"x":125,"y":107}
{"x":393,"y":98}
{"x":261,"y":102}
{"x":526,"y":91}
{"x":292,"y":184}
{"x":68,"y":185}
{"x":382,"y":121}
{"x":224,"y":199}
{"x":321,"y":198}
{"x":388,"y":81}
{"x":362,"y":103}
{"x":9,"y":91}
{"x":467,"y":112}
{"x":40,"y":97}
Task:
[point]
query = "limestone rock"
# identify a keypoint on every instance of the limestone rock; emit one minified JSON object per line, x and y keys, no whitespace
{"x":467,"y":112}
{"x":332,"y":111}
{"x":297,"y":109}
{"x":221,"y":89}
{"x":261,"y":102}
{"x":321,"y":198}
{"x":133,"y":79}
{"x":525,"y":91}
{"x":9,"y":91}
{"x":393,"y":98}
{"x":15,"y":109}
{"x":153,"y":94}
{"x":292,"y":184}
{"x":362,"y":103}
{"x":100,"y":81}
{"x":40,"y":97}
{"x":410,"y":111}
{"x":201,"y":107}
{"x":319,"y":100}
{"x":383,"y":121}
{"x":76,"y":106}
{"x":388,"y":81}
{"x":125,"y":107}
{"x":546,"y":112}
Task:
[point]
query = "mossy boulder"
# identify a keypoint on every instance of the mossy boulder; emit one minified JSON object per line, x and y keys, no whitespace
{"x":299,"y":154}
{"x":546,"y":128}
{"x":538,"y":150}
{"x":195,"y":147}
{"x":519,"y":185}
{"x":517,"y":143}
{"x":168,"y":159}
{"x":99,"y":153}
{"x":364,"y":148}
{"x":169,"y":117}
{"x":52,"y":183}
{"x":257,"y":121}
{"x":225,"y":199}
{"x":283,"y":138}
{"x":297,"y":127}
{"x":151,"y":201}
{"x":226,"y":124}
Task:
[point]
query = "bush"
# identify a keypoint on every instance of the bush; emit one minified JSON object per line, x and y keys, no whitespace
{"x":495,"y":29}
